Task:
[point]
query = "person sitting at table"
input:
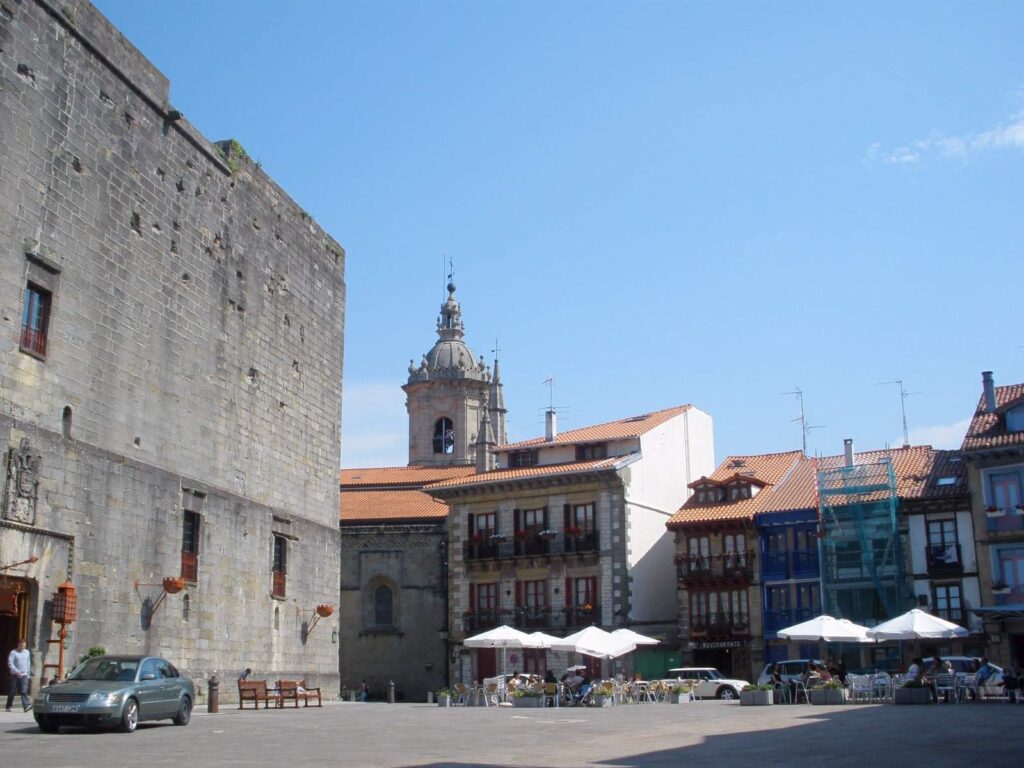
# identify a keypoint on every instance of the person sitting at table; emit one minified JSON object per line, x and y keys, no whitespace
{"x":938,"y":667}
{"x":982,"y":675}
{"x":1011,"y":685}
{"x":514,"y":682}
{"x":824,"y":675}
{"x":575,"y":681}
{"x":549,"y":677}
{"x":581,"y":691}
{"x":810,"y":675}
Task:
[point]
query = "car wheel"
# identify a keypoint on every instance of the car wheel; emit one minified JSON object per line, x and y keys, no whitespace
{"x":184,"y":711}
{"x":46,"y":725}
{"x":130,"y":716}
{"x":727,"y":694}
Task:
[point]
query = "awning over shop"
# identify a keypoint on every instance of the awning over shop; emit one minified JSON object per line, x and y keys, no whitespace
{"x":997,"y":612}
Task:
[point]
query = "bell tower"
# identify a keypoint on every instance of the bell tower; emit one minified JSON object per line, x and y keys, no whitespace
{"x":447,"y":396}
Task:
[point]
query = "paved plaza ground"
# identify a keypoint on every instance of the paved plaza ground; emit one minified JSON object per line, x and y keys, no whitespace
{"x":709,"y":733}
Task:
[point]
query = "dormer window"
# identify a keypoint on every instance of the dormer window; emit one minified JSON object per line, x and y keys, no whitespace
{"x":591,"y":451}
{"x":739,"y":491}
{"x":1015,"y":419}
{"x":523,"y":459}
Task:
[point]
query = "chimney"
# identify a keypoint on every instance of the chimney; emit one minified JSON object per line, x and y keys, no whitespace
{"x":990,"y":391}
{"x":848,"y":451}
{"x":550,"y":426}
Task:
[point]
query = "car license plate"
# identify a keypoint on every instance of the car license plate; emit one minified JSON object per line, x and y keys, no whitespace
{"x":65,"y":707}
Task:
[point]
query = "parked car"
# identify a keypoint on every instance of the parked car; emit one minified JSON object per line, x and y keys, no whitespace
{"x":116,"y":692}
{"x":791,"y":669}
{"x":709,"y":683}
{"x":962,"y":665}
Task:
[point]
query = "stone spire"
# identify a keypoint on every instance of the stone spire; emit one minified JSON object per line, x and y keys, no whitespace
{"x":496,"y":404}
{"x":484,"y":444}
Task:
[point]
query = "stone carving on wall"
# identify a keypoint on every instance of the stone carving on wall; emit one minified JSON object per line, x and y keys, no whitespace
{"x":22,"y":488}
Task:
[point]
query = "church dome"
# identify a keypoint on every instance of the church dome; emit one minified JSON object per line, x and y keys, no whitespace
{"x":450,"y":357}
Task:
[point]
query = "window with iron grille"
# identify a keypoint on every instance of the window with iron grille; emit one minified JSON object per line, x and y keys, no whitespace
{"x":35,"y":320}
{"x":280,"y":566}
{"x":444,"y":436}
{"x":190,"y":546}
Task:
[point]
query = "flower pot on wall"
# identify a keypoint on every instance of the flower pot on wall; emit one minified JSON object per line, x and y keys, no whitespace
{"x":826,"y":696}
{"x":527,"y":701}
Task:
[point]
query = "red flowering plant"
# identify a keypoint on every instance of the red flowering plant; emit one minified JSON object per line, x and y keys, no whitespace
{"x":573,"y":530}
{"x":476,"y":538}
{"x":522,"y":533}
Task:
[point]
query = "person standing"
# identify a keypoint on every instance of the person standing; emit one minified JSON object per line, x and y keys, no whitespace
{"x":19,"y":664}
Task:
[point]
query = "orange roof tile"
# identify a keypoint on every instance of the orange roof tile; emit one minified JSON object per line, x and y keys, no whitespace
{"x":765,"y":469}
{"x":401,"y":476}
{"x":988,"y":430}
{"x":633,"y":426}
{"x":523,"y":473}
{"x":370,"y":506}
{"x":793,"y":481}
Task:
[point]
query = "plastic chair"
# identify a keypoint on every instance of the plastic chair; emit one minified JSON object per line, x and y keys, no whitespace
{"x":461,"y":694}
{"x":780,"y":693}
{"x":798,"y":688}
{"x":861,"y":687}
{"x":946,"y":684}
{"x":551,"y":693}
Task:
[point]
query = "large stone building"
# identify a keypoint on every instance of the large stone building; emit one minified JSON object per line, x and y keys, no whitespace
{"x":568,"y":531}
{"x":394,"y":569}
{"x":171,"y":360}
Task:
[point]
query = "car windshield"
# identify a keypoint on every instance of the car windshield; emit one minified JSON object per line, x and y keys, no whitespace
{"x":104,"y":668}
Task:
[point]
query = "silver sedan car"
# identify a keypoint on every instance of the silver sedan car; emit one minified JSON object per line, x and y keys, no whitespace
{"x":116,"y":692}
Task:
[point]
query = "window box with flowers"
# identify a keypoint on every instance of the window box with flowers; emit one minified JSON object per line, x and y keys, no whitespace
{"x":548,"y":534}
{"x":991,"y":511}
{"x":1019,"y":509}
{"x":476,"y":539}
{"x":498,"y":538}
{"x":522,"y":534}
{"x":573,"y":531}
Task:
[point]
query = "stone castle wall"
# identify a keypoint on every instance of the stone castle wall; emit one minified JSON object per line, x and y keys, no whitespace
{"x":195,"y":341}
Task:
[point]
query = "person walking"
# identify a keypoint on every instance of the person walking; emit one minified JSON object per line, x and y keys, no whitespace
{"x":19,"y":664}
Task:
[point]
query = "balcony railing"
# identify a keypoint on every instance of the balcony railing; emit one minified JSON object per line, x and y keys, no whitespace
{"x":278,"y":585}
{"x":531,"y":544}
{"x":532,"y":618}
{"x":791,"y":564}
{"x":189,"y":566}
{"x":33,"y":341}
{"x":720,"y":625}
{"x":944,"y":559}
{"x":729,"y":566}
{"x":1009,"y":520}
{"x":786,"y":617}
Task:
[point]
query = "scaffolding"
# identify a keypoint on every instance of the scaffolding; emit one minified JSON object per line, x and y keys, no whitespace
{"x":863,"y":571}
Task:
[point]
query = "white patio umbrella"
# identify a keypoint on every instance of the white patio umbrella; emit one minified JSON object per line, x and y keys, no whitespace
{"x":629,"y":635}
{"x":503,"y":637}
{"x":594,"y":641}
{"x":916,"y":624}
{"x":545,"y":639}
{"x":827,"y":628}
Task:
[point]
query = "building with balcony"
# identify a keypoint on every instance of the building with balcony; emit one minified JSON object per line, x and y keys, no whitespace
{"x":394,"y":537}
{"x":569,"y":531}
{"x":994,"y":451}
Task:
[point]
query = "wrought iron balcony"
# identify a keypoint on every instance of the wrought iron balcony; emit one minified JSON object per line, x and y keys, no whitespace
{"x":720,"y":625}
{"x":790,"y":564}
{"x":944,"y":559}
{"x":543,"y":617}
{"x":478,"y":621}
{"x":729,"y":567}
{"x":529,"y":544}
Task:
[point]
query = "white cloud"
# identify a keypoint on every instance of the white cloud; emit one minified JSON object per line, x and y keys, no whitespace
{"x":940,"y":435}
{"x":1009,"y":135}
{"x":374,"y":424}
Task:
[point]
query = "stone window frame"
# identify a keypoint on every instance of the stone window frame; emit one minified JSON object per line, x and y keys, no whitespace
{"x":42,"y":279}
{"x":369,"y":617}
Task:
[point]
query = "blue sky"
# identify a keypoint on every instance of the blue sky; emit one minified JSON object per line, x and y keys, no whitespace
{"x":654,"y":203}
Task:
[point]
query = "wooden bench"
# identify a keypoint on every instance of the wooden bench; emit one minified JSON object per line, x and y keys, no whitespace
{"x":296,"y":690}
{"x":257,"y":691}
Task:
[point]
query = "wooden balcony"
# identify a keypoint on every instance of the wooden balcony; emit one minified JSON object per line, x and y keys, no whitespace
{"x":708,"y":570}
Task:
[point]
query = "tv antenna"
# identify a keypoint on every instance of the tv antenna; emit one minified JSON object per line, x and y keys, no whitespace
{"x":802,"y":418}
{"x":903,"y":407}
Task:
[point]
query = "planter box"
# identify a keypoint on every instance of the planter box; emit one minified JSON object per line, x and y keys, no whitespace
{"x":827,"y":696}
{"x":912,"y":696}
{"x":602,"y":700}
{"x":527,"y":701}
{"x":683,"y":698}
{"x":756,"y":698}
{"x":444,"y":701}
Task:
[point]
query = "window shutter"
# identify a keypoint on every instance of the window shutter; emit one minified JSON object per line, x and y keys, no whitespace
{"x":568,"y":592}
{"x":567,"y":516}
{"x":517,"y":520}
{"x":592,"y":590}
{"x":472,"y":596}
{"x":519,"y":594}
{"x":545,"y":526}
{"x":472,"y":524}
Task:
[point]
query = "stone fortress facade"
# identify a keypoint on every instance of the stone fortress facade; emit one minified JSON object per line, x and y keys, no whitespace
{"x":170,"y":371}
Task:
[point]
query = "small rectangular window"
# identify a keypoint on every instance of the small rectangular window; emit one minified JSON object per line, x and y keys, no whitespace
{"x":190,"y":547}
{"x":591,"y":451}
{"x":523,"y":459}
{"x":35,"y":320}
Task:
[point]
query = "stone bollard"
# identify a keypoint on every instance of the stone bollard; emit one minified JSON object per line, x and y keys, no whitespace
{"x":391,"y":691}
{"x":352,"y":696}
{"x":430,"y":697}
{"x":213,"y":694}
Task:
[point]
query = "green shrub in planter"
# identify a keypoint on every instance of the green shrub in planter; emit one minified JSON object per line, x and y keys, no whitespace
{"x":444,"y":697}
{"x":757,"y":695}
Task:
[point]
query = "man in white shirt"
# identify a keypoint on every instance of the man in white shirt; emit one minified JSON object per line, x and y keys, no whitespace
{"x":19,"y":665}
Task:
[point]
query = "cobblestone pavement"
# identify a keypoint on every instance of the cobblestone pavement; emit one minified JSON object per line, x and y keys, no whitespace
{"x":704,"y":734}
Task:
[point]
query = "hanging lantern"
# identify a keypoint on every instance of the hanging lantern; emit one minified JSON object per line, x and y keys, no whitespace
{"x":65,"y":604}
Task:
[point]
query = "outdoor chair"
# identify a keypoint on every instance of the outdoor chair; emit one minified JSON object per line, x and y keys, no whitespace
{"x":551,"y":694}
{"x":945,"y":685}
{"x":461,"y":694}
{"x":800,"y":688}
{"x":492,"y":695}
{"x":780,"y":693}
{"x":861,"y":687}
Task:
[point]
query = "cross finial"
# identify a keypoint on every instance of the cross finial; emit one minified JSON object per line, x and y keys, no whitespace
{"x":496,"y":349}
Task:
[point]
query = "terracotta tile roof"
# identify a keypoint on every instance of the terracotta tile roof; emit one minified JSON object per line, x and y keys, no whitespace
{"x":633,"y":426}
{"x":768,"y":468}
{"x":988,"y":430}
{"x":793,"y":481}
{"x":401,"y":476}
{"x":362,"y":506}
{"x":524,"y":473}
